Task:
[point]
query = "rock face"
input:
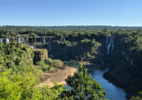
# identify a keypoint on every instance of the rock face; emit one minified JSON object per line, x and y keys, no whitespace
{"x":39,"y":54}
{"x":74,"y":50}
{"x":111,"y":45}
{"x":119,"y":73}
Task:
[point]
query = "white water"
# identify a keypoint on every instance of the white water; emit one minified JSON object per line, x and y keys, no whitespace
{"x":108,"y":48}
{"x":44,"y":39}
{"x":1,"y":41}
{"x":110,"y":44}
{"x":7,"y":40}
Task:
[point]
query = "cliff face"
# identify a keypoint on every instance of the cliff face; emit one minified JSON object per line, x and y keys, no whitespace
{"x":124,"y":71}
{"x":119,"y":66}
{"x":76,"y":49}
{"x":73,"y":51}
{"x":39,"y":54}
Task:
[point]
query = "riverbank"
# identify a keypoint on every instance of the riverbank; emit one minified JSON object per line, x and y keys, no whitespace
{"x":59,"y":76}
{"x":117,"y":81}
{"x":120,"y":82}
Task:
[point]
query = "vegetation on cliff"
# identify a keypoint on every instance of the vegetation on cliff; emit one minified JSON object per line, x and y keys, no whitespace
{"x":126,"y":67}
{"x":19,"y":77}
{"x":126,"y":61}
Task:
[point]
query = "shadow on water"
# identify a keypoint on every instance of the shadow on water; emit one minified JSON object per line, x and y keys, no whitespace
{"x":113,"y":92}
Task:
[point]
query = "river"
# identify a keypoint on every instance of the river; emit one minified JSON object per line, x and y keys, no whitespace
{"x":113,"y":92}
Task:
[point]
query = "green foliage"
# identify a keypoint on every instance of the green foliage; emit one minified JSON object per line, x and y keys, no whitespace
{"x":14,"y":52}
{"x":17,"y":86}
{"x":18,"y":78}
{"x":83,"y":87}
{"x":87,"y":56}
{"x":48,"y":63}
{"x":22,"y":87}
{"x":80,"y":64}
{"x":47,"y":93}
{"x":44,"y":66}
{"x":75,"y":43}
{"x":85,"y":41}
{"x":92,"y":42}
{"x":64,"y":43}
{"x":139,"y":97}
{"x":57,"y":63}
{"x":16,"y":57}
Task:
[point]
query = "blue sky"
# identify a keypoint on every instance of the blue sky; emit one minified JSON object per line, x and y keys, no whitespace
{"x":71,"y":12}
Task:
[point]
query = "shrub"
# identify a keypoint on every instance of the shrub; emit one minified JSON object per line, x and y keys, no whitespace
{"x":48,"y":61}
{"x":57,"y":63}
{"x":139,"y":97}
{"x":46,"y":68}
{"x":17,"y":87}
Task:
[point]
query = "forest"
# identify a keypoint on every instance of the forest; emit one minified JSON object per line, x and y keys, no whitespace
{"x":19,"y":76}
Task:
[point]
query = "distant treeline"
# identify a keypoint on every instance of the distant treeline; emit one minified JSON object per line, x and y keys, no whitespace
{"x":14,"y":56}
{"x":33,"y":31}
{"x":99,"y":27}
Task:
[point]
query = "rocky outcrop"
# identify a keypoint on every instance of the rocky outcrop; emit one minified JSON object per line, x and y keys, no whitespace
{"x":39,"y":54}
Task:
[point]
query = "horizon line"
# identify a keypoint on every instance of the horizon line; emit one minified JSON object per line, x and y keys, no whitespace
{"x":69,"y":25}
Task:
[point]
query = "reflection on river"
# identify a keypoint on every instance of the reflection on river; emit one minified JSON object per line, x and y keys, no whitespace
{"x":113,"y":92}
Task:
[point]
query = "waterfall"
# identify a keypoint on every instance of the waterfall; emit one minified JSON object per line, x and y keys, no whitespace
{"x":1,"y":40}
{"x":110,"y":43}
{"x":7,"y":40}
{"x":44,"y":39}
{"x":19,"y":40}
{"x":108,"y":48}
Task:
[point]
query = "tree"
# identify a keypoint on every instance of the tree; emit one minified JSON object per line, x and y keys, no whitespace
{"x":83,"y":87}
{"x":139,"y":97}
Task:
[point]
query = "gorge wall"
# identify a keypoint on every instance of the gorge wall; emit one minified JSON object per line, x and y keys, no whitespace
{"x":121,"y":73}
{"x":76,"y":49}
